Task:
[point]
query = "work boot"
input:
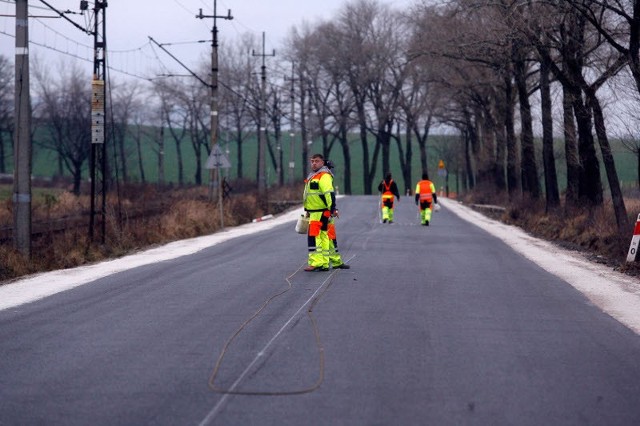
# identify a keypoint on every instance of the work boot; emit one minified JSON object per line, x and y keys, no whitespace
{"x":315,"y":269}
{"x":342,"y":266}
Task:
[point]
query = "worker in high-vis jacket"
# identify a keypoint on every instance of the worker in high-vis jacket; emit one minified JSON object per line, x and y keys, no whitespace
{"x":426,"y":197}
{"x":319,"y":201}
{"x":389,"y":190}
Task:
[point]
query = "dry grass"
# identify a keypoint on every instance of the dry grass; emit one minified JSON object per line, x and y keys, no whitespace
{"x":141,"y":217}
{"x":138,"y":218}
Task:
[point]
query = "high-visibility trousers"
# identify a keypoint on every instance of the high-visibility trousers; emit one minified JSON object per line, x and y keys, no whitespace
{"x":321,"y":241}
{"x":426,"y":207}
{"x":387,"y":207}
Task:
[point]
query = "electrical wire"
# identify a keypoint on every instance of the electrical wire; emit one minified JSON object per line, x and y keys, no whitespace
{"x":311,"y":302}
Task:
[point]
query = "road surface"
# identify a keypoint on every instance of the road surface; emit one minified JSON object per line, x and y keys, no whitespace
{"x":438,"y":325}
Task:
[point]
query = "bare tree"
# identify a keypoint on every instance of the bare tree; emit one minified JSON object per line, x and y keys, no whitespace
{"x":548,"y":158}
{"x":582,"y":84}
{"x":463,"y":46}
{"x":198,"y":105}
{"x":65,"y":113}
{"x":147,"y":130}
{"x":236,"y":68}
{"x":126,"y":101}
{"x":6,"y":111}
{"x":354,"y":52}
{"x":174,"y":116}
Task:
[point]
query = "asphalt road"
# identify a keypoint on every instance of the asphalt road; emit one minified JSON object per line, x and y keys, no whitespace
{"x":438,"y":325}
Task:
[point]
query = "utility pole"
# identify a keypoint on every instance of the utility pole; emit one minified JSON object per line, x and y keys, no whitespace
{"x":98,"y":108}
{"x":22,"y":138}
{"x":304,"y":131}
{"x":277,"y":124}
{"x":292,"y":134}
{"x":262,"y":158}
{"x":215,"y":174}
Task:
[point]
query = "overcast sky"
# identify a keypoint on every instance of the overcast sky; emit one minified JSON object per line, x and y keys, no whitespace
{"x":131,"y":22}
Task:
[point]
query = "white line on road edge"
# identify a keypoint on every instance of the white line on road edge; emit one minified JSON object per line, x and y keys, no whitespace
{"x":38,"y":286}
{"x":615,"y":293}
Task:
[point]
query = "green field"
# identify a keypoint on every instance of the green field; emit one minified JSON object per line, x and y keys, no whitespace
{"x":45,"y":163}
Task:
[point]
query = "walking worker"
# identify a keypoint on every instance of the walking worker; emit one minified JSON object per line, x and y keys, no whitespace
{"x":389,"y":190}
{"x":425,"y":198}
{"x":319,"y":201}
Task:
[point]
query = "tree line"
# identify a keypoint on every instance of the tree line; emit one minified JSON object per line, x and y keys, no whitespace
{"x":384,"y":80}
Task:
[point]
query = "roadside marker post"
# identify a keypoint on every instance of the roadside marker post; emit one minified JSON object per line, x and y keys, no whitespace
{"x":265,"y":217}
{"x":633,"y":248}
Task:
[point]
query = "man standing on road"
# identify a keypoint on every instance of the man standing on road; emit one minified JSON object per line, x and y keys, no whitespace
{"x":425,"y":198}
{"x":389,"y":189}
{"x":319,"y":201}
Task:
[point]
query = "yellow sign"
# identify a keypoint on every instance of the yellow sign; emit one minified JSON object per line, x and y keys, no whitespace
{"x":441,"y":164}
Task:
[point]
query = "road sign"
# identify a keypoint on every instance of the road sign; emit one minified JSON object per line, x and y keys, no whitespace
{"x":633,"y":248}
{"x":217,"y":159}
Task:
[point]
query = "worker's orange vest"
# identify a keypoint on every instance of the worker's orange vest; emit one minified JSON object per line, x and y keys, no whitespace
{"x":387,"y":190}
{"x":425,"y":190}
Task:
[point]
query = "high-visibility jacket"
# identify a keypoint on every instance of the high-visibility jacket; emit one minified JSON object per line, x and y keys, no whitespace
{"x":426,"y":189}
{"x":319,"y":192}
{"x":386,"y":192}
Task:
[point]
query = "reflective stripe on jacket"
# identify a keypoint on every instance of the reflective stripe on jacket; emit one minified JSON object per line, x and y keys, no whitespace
{"x":317,"y":192}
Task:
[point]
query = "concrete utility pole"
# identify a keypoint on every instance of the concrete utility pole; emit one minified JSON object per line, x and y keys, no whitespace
{"x":22,"y":137}
{"x":262,"y":145}
{"x":215,"y":174}
{"x":98,"y":108}
{"x":292,"y":134}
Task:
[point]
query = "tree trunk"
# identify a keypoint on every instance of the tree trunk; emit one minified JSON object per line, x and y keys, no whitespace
{"x":3,"y":168}
{"x":570,"y":151}
{"x":422,"y":144}
{"x":513,"y":182}
{"x":487,"y":159}
{"x":468,"y":163}
{"x":123,"y":157}
{"x":384,"y":139}
{"x":240,"y":163}
{"x":638,"y":164}
{"x":530,"y":183}
{"x":77,"y":178}
{"x":501,"y":145}
{"x":408,"y":156}
{"x":138,"y":140}
{"x":346,"y":154}
{"x":548,"y":156}
{"x":366,"y":172}
{"x":589,"y":182}
{"x":619,"y":208}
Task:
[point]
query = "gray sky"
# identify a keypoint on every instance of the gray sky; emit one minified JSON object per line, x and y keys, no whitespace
{"x":131,"y":22}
